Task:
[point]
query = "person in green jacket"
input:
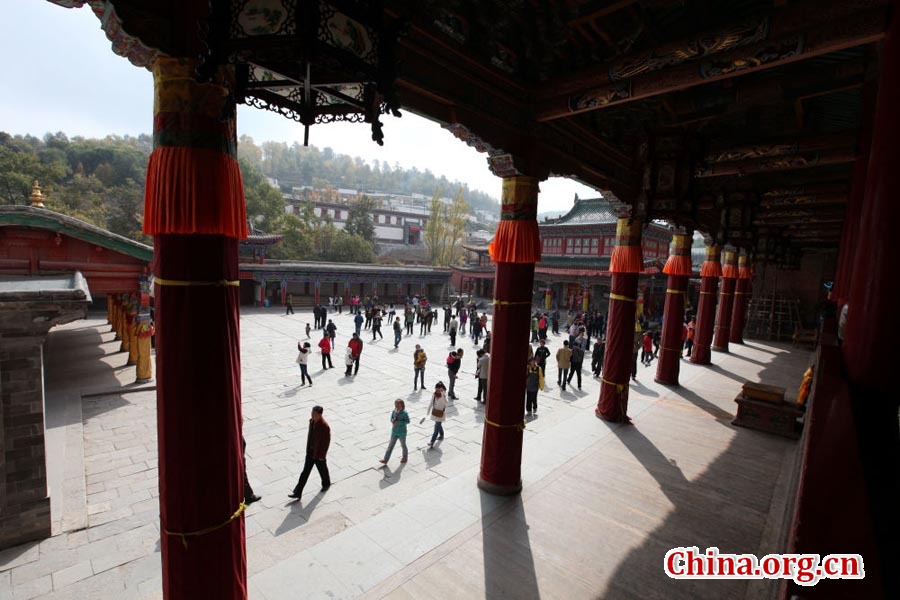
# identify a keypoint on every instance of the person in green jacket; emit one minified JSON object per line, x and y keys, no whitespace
{"x":399,"y":421}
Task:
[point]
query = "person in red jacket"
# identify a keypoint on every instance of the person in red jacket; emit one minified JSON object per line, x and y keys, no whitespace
{"x":325,"y":347}
{"x":317,"y":441}
{"x":647,"y":354}
{"x":356,"y":346}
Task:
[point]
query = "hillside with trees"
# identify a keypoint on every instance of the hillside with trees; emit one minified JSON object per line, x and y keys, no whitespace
{"x":101,"y":181}
{"x":298,"y":166}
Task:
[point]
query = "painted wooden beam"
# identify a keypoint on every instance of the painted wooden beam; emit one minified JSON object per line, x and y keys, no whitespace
{"x":856,"y":29}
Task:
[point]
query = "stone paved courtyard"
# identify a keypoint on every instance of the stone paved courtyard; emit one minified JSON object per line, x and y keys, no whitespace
{"x":600,"y":506}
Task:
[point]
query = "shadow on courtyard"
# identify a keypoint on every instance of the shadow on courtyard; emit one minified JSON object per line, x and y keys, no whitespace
{"x":733,"y":505}
{"x":509,"y":570}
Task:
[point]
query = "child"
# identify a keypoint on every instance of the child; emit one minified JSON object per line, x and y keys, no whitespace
{"x":399,"y":421}
{"x":307,"y":330}
{"x":647,"y":352}
{"x":348,"y":360}
{"x":303,"y":360}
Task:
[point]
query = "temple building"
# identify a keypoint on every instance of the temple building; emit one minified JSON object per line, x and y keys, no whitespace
{"x":574,"y":267}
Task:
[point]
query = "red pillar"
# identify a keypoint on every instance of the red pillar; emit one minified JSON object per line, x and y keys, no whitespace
{"x":678,"y":268}
{"x":843,"y":279}
{"x":741,"y":298}
{"x":626,"y":265}
{"x":726,"y":302}
{"x":869,"y":350}
{"x":872,"y":313}
{"x":194,"y":208}
{"x":706,"y":307}
{"x":515,"y":249}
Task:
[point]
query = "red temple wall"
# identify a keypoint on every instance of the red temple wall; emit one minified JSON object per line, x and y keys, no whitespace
{"x":30,"y":251}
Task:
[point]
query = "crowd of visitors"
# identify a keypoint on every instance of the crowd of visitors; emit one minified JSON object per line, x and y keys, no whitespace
{"x":460,"y":319}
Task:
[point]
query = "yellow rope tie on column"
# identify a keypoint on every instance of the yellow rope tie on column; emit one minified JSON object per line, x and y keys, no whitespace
{"x":519,"y":426}
{"x":619,"y":386}
{"x":678,"y":350}
{"x":622,"y":298}
{"x":507,"y":303}
{"x":707,"y":293}
{"x":682,"y":292}
{"x":181,"y":283}
{"x":184,"y":536}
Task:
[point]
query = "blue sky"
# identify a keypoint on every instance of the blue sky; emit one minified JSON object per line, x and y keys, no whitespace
{"x":60,"y":75}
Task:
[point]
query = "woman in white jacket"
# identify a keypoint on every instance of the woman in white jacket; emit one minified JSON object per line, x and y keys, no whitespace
{"x":303,"y":360}
{"x":436,"y":408}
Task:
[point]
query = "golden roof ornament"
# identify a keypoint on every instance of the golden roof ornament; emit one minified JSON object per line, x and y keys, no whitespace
{"x":37,"y":197}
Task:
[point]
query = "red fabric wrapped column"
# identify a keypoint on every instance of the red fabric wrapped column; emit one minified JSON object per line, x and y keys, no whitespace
{"x":706,"y":307}
{"x":872,"y":312}
{"x":515,"y":249}
{"x":678,"y":268}
{"x":741,"y":298}
{"x":626,"y":264}
{"x":726,"y":302}
{"x":194,"y":208}
{"x":869,"y":348}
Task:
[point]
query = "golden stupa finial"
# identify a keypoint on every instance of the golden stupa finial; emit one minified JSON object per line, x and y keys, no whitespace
{"x":37,"y":197}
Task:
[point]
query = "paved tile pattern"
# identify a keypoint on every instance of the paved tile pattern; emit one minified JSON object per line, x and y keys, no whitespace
{"x":408,"y":530}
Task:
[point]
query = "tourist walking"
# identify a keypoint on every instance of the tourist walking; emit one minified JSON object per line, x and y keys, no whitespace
{"x":563,"y":362}
{"x":689,"y":338}
{"x":436,"y":408}
{"x":541,"y":354}
{"x":454,"y":361}
{"x":398,"y":332}
{"x":358,"y":321}
{"x":249,"y":496}
{"x":303,"y":361}
{"x":482,"y":369}
{"x":647,"y":353}
{"x":597,"y":357}
{"x":419,"y":360}
{"x":355,"y":346}
{"x":331,"y":328}
{"x":308,"y":330}
{"x":318,"y":438}
{"x":289,"y":304}
{"x":410,"y":317}
{"x":376,"y":326}
{"x":534,"y":381}
{"x":578,"y":350}
{"x":636,"y":347}
{"x":325,"y":347}
{"x":452,"y":328}
{"x":476,"y":330}
{"x":399,"y":421}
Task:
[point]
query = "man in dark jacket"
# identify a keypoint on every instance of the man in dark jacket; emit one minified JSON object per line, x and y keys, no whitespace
{"x":317,"y":441}
{"x":578,"y":349}
{"x":541,"y":355}
{"x":454,"y":361}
